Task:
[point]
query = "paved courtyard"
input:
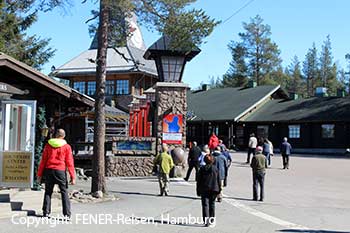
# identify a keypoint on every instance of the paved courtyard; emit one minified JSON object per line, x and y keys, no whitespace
{"x":312,"y":196}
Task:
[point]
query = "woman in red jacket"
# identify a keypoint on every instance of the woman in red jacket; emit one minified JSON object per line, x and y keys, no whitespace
{"x":213,"y":142}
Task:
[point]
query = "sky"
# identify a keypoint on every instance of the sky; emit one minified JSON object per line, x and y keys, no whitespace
{"x":295,"y":25}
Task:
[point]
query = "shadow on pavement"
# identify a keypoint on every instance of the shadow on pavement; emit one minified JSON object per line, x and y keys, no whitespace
{"x":240,"y":198}
{"x":312,"y":231}
{"x":155,"y":195}
{"x":140,"y":178}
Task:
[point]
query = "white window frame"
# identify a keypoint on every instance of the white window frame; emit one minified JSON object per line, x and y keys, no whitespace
{"x":294,"y":131}
{"x":330,"y":127}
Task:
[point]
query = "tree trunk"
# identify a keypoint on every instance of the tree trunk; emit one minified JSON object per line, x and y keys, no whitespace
{"x":98,"y":161}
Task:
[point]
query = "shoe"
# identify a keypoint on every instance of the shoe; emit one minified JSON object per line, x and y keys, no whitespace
{"x":185,"y":179}
{"x":67,"y":218}
{"x":261,"y":199}
{"x":212,"y":225}
{"x":166,"y":193}
{"x":219,"y":199}
{"x":255,"y":199}
{"x":46,"y":216}
{"x":160,"y":195}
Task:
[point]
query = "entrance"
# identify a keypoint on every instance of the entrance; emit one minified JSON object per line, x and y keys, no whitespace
{"x":17,"y":137}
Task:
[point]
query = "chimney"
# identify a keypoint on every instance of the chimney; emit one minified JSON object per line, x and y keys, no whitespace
{"x":205,"y":87}
{"x":321,"y":92}
{"x":252,"y":84}
{"x":293,"y":96}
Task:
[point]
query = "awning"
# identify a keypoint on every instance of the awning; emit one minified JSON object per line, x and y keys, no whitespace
{"x":8,"y":89}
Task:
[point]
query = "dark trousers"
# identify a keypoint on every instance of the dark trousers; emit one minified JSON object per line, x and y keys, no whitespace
{"x":250,"y":151}
{"x":285,"y":159}
{"x":58,"y":177}
{"x":258,"y":180}
{"x":190,"y":168}
{"x":208,"y":206}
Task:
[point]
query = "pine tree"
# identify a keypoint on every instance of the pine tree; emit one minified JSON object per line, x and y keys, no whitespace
{"x":15,"y":19}
{"x":237,"y":75}
{"x":171,"y":18}
{"x":296,"y":84}
{"x":261,"y":53}
{"x":310,"y":70}
{"x":328,"y":69}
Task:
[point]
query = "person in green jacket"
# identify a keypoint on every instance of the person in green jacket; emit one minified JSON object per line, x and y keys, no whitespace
{"x":165,"y":163}
{"x":258,"y":166}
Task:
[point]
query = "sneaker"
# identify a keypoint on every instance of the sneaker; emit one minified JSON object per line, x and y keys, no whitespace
{"x":67,"y":218}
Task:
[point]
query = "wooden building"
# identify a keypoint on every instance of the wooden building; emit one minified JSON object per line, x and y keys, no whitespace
{"x":317,"y":124}
{"x":128,"y":73}
{"x":219,"y":110}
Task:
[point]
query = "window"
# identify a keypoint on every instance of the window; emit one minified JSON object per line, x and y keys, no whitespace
{"x":191,"y":131}
{"x":172,"y":68}
{"x":79,"y":86}
{"x":328,"y":131}
{"x":110,"y":87}
{"x":212,"y":129}
{"x":91,"y":88}
{"x":294,"y":131}
{"x":122,"y":87}
{"x":263,"y":131}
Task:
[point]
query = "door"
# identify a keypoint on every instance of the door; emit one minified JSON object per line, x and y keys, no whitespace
{"x":17,"y":136}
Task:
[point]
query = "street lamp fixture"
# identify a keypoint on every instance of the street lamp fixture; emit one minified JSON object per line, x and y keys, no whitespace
{"x":170,"y":61}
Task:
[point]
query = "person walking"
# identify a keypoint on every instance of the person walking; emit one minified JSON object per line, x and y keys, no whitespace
{"x":267,"y":152}
{"x":222,"y":166}
{"x":286,"y":150}
{"x":205,"y":151}
{"x":208,"y":187}
{"x":258,"y":165}
{"x":165,"y":163}
{"x":252,"y":144}
{"x":193,"y":162}
{"x":56,"y":158}
{"x":213,"y":142}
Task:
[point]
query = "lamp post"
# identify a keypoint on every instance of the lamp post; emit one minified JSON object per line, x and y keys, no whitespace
{"x":170,"y":61}
{"x":171,"y":105}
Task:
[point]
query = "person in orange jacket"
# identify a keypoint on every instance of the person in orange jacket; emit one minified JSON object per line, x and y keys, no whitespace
{"x":57,"y":157}
{"x":213,"y":142}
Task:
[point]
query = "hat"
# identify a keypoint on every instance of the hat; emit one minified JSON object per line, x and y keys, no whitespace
{"x":259,"y":149}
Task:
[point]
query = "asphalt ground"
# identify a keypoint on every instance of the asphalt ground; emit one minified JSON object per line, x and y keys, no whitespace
{"x":312,"y":196}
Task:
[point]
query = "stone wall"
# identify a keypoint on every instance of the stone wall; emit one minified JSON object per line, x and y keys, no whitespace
{"x":128,"y":166}
{"x":171,"y":99}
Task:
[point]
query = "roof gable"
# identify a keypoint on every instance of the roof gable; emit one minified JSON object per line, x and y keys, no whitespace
{"x":222,"y":104}
{"x":43,"y":80}
{"x":119,"y":60}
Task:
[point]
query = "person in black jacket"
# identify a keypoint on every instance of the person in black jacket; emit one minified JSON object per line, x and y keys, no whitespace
{"x":193,"y":161}
{"x":208,"y":187}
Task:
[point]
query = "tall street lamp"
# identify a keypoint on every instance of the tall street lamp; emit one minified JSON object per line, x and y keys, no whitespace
{"x":170,"y":61}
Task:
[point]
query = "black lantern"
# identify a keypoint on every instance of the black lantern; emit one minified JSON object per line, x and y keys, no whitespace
{"x":170,"y":62}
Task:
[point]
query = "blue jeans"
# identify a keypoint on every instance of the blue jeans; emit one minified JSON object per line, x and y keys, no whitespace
{"x":268,"y":159}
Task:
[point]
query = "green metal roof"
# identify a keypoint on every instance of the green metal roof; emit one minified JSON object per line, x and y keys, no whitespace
{"x":303,"y":110}
{"x":225,"y":104}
